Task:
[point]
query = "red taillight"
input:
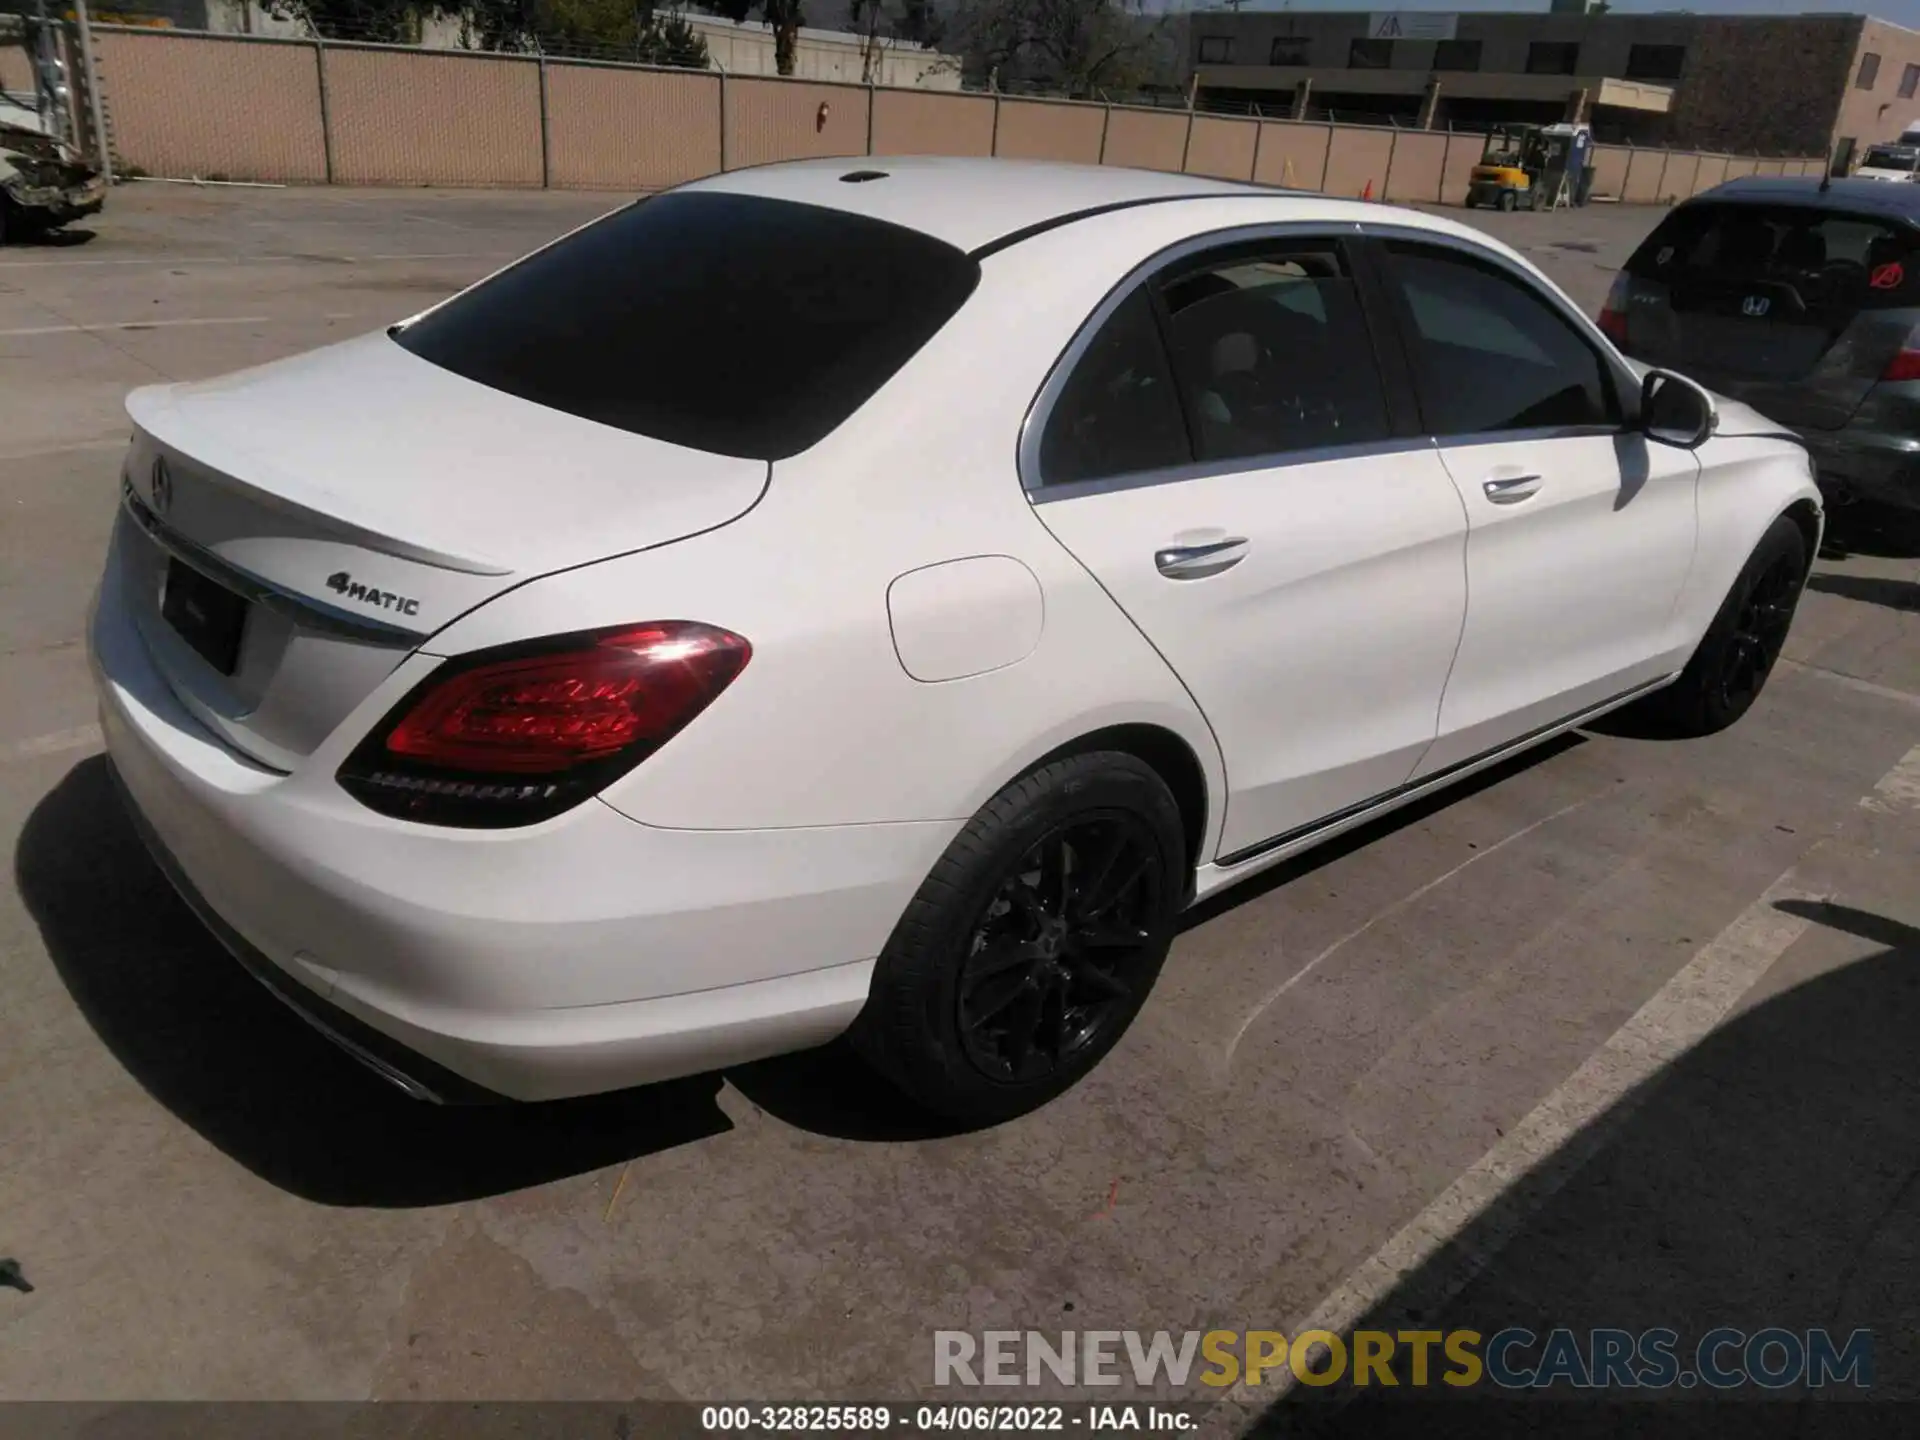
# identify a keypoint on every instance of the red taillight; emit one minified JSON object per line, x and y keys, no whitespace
{"x":1613,"y":314}
{"x":1904,"y":366}
{"x":513,"y":735}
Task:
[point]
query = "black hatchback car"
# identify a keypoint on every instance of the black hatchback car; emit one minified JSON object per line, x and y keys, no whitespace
{"x":1801,"y":301}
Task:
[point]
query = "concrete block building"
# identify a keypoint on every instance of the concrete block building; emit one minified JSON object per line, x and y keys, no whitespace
{"x":1753,"y":84}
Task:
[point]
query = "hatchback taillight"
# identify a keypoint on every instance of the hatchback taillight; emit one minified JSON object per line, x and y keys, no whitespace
{"x":517,"y":734}
{"x":1613,"y":314}
{"x":1905,"y":365}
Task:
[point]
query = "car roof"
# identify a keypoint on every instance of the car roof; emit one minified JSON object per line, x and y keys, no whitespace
{"x":1894,"y":201}
{"x":974,"y":204}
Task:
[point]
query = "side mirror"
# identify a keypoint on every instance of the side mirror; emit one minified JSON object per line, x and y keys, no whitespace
{"x":1676,"y":411}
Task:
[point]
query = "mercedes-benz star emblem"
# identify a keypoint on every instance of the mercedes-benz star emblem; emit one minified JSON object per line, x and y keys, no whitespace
{"x":162,"y":487}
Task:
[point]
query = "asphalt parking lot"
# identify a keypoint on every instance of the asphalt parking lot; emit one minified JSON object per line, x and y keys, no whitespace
{"x":1621,"y":1035}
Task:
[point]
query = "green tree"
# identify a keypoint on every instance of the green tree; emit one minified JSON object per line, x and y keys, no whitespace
{"x":1078,"y":47}
{"x":783,"y":17}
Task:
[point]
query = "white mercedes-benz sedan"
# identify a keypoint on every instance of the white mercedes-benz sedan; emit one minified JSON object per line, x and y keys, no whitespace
{"x":879,"y":598}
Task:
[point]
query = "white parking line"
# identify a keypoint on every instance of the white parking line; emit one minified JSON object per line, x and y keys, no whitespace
{"x":57,"y":742}
{"x":1573,"y":1123}
{"x":131,"y":325}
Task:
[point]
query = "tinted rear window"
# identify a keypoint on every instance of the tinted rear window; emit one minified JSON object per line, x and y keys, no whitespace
{"x":1811,"y":262}
{"x":732,"y":324}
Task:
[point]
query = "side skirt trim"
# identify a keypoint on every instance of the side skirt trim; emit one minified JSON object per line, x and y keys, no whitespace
{"x":1439,"y":777}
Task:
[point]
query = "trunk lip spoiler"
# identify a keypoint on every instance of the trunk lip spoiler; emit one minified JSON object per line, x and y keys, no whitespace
{"x":302,"y":610}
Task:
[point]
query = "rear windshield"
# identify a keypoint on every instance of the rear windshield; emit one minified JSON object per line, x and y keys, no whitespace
{"x":1807,"y":261}
{"x":1890,"y":159}
{"x":732,"y":324}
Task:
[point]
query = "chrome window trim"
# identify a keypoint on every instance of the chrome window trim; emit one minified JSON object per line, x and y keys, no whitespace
{"x":1033,"y":424}
{"x":1040,"y":409}
{"x":1238,"y":465}
{"x":302,"y":611}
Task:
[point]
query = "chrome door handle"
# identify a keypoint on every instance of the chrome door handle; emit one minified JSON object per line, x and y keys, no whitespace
{"x":1505,"y":492}
{"x":1196,"y":562}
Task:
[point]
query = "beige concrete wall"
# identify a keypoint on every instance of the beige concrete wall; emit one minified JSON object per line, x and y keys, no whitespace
{"x":1681,"y":175}
{"x":1146,"y":139}
{"x":1738,"y":166}
{"x":1642,"y":182}
{"x":1043,"y":130}
{"x":1222,"y":146}
{"x":16,"y":70}
{"x":770,"y":120}
{"x":1712,"y":170}
{"x":1464,"y":149}
{"x":1419,"y":162}
{"x":400,"y":118}
{"x":434,"y":117}
{"x":239,"y":110}
{"x":1356,"y":158}
{"x":912,"y":122}
{"x":1292,"y":155}
{"x":1610,"y":168}
{"x":611,"y":129}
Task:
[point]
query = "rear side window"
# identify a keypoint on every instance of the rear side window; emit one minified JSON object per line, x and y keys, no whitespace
{"x":732,"y":324}
{"x":1117,"y":414}
{"x":1272,"y":353}
{"x":1803,"y":261}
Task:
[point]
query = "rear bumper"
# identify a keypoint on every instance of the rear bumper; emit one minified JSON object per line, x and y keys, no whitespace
{"x":585,"y":954}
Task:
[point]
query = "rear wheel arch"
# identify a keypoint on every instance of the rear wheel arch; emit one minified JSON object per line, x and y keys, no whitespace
{"x":1169,"y":756}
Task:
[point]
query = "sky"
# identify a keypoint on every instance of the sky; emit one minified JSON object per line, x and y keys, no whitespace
{"x":1900,"y":12}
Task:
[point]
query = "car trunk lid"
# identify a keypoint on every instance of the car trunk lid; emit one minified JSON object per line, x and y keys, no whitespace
{"x":294,"y":530}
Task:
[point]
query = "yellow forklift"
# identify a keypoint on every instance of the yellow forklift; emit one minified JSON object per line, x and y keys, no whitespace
{"x":1533,"y":167}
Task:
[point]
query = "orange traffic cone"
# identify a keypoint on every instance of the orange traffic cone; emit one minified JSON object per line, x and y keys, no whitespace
{"x":1367,"y":194}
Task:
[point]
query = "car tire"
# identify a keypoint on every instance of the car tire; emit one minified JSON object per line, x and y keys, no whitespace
{"x":1029,"y":949}
{"x":1508,"y":199}
{"x":1730,"y":666}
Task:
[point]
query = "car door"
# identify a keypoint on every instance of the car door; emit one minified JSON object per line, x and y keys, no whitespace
{"x":1221,"y":453}
{"x":1580,"y":530}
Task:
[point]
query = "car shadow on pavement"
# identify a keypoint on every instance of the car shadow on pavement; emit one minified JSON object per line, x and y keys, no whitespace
{"x":1768,"y":1177}
{"x":1870,"y":589}
{"x":211,"y":1044}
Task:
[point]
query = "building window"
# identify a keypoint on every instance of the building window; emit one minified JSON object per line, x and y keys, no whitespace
{"x":1655,"y":62}
{"x":1216,"y":49}
{"x":1909,"y":82}
{"x":1370,"y":55}
{"x":1290,"y":50}
{"x":1553,"y":57}
{"x":1457,"y":55}
{"x":1869,"y":71}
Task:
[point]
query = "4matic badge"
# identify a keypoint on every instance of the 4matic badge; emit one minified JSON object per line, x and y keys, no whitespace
{"x":341,"y":583}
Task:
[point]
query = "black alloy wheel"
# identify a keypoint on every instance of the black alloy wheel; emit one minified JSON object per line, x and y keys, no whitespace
{"x":1057,"y":955}
{"x":1034,"y":941}
{"x":1759,"y":632}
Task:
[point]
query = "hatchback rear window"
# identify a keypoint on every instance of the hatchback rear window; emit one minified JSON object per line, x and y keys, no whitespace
{"x":1808,"y":263}
{"x":732,"y":324}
